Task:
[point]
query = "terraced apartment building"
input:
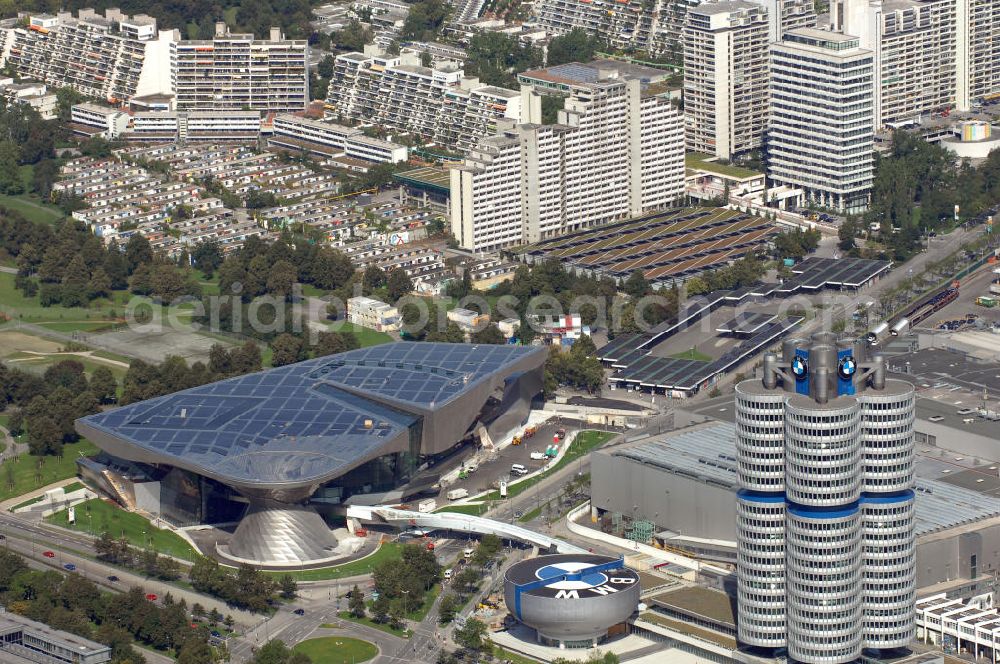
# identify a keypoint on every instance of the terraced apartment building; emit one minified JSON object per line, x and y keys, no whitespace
{"x":397,"y":93}
{"x":112,"y":57}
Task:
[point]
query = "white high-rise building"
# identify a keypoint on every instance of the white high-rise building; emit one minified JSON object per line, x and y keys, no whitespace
{"x":613,"y":153}
{"x":113,"y":57}
{"x":825,"y":512}
{"x":240,"y":72}
{"x":821,"y":133}
{"x":915,"y":48}
{"x":725,"y":77}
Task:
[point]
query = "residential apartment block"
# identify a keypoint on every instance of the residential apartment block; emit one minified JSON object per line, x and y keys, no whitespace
{"x":328,"y":139}
{"x":93,"y":120}
{"x":916,"y":51}
{"x":726,"y":77}
{"x":655,"y":26}
{"x":111,"y":57}
{"x":821,"y":134}
{"x":194,"y":126}
{"x":35,"y":95}
{"x":979,"y":64}
{"x":614,"y":152}
{"x":398,"y":93}
{"x":373,"y":314}
{"x":240,"y":72}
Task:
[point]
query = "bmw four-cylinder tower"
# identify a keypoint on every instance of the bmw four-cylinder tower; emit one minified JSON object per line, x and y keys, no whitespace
{"x":825,"y":508}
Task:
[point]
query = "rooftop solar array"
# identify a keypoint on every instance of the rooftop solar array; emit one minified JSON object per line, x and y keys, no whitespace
{"x":814,"y":273}
{"x":709,"y":454}
{"x":746,"y":323}
{"x":663,"y":244}
{"x":302,"y":421}
{"x":637,"y":367}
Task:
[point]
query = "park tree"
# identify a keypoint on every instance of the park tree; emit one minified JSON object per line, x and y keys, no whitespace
{"x":103,"y":385}
{"x":424,"y":20}
{"x":99,"y":284}
{"x":289,"y":588}
{"x":356,"y":604}
{"x":577,"y":45}
{"x":373,"y":279}
{"x":282,"y":278}
{"x":137,"y":252}
{"x":75,"y":282}
{"x":472,"y":635}
{"x":636,"y":285}
{"x":490,"y":334}
{"x":398,"y":284}
{"x":330,"y":269}
{"x":286,"y":349}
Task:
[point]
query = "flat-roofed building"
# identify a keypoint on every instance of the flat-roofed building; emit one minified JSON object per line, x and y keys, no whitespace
{"x":821,"y":133}
{"x":109,"y":122}
{"x":613,"y":153}
{"x":725,"y":77}
{"x":373,"y":314}
{"x":32,"y":642}
{"x":275,"y":73}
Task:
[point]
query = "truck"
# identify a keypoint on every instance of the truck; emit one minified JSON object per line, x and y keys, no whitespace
{"x":455,"y":494}
{"x":428,"y":505}
{"x":530,"y":431}
{"x":995,"y":288}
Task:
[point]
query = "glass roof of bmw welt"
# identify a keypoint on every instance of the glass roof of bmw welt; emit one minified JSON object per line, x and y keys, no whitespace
{"x":303,"y":421}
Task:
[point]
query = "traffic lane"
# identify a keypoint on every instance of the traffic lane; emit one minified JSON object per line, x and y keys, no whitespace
{"x":99,"y":572}
{"x":491,"y":471}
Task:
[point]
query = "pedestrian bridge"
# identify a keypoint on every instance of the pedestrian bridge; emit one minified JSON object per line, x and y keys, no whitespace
{"x":460,"y":523}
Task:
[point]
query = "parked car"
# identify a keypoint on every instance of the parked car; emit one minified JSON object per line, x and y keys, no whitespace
{"x":48,"y":554}
{"x":299,"y":612}
{"x":113,"y":579}
{"x":70,"y":567}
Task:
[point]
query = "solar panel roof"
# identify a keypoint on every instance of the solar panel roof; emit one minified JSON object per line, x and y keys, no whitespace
{"x":297,"y":423}
{"x":746,"y":323}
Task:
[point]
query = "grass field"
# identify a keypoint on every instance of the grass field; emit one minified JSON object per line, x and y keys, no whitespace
{"x":365,"y":336}
{"x":692,"y":354}
{"x":336,"y":650}
{"x":96,"y":516}
{"x":512,"y":656}
{"x":29,"y":309}
{"x":476,"y":509}
{"x":27,"y":473}
{"x":35,"y":353}
{"x":584,"y":443}
{"x":387,"y":551}
{"x":77,"y":326}
{"x":346,"y":615}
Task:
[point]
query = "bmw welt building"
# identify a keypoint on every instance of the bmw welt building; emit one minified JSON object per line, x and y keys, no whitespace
{"x":270,"y":449}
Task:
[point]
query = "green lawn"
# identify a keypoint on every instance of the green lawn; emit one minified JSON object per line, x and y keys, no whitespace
{"x":78,"y":326}
{"x":30,"y":310}
{"x":419,"y":614}
{"x":476,"y":509}
{"x":512,"y":656}
{"x":97,"y":516}
{"x":387,"y":551}
{"x":531,"y":514}
{"x":346,"y":615}
{"x":699,"y":160}
{"x":583,"y":444}
{"x":27,"y":473}
{"x":366,"y":337}
{"x":692,"y":354}
{"x":336,"y":650}
{"x":39,"y":363}
{"x":309,"y":290}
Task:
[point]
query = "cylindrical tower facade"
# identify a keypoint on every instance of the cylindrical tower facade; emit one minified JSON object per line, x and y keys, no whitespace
{"x":825,"y":508}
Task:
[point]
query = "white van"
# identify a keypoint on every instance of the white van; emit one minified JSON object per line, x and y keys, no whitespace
{"x":447,"y":575}
{"x":518,"y":469}
{"x":468,"y":553}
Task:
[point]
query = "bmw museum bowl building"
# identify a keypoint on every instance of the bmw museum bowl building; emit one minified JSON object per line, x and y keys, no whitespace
{"x":571,"y":600}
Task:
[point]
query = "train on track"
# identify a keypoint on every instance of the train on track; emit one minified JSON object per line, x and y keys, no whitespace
{"x":914,"y":316}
